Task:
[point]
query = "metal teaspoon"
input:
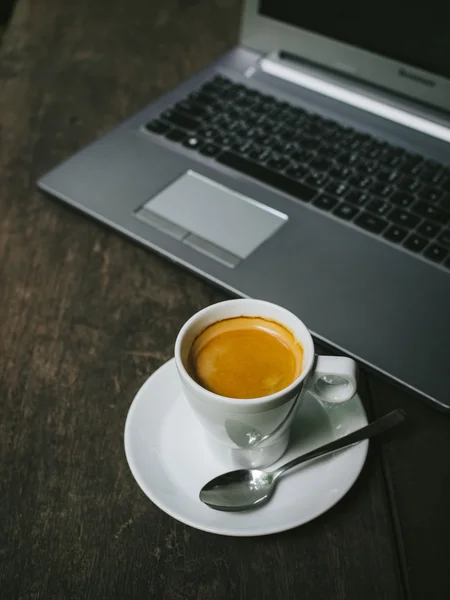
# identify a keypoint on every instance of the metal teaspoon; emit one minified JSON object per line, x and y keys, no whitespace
{"x":245,"y":489}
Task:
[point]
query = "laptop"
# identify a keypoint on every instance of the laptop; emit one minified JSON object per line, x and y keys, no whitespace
{"x":309,"y":166}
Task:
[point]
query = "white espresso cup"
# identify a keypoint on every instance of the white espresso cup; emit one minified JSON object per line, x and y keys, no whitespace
{"x":255,"y":432}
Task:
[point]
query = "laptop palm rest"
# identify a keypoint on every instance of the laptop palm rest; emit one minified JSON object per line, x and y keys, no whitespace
{"x":212,"y":218}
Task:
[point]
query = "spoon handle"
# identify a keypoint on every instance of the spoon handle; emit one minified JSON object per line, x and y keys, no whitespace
{"x":375,"y":428}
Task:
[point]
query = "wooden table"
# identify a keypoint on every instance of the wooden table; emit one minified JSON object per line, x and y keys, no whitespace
{"x":86,"y":316}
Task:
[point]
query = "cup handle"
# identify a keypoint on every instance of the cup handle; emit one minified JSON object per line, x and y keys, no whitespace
{"x":333,"y":379}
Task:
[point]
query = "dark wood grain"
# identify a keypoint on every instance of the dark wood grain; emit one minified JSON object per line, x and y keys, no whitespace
{"x":417,"y":468}
{"x":5,"y":12}
{"x":86,"y":316}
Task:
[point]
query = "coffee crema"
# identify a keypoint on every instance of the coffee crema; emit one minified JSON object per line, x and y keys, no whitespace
{"x":245,"y":357}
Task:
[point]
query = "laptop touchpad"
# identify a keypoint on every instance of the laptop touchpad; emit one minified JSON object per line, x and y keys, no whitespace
{"x":211,"y":217}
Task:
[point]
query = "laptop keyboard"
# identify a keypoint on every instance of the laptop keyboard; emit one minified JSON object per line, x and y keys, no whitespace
{"x":380,"y":188}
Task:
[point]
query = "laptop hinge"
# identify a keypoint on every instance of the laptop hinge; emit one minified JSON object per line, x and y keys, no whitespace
{"x":275,"y":65}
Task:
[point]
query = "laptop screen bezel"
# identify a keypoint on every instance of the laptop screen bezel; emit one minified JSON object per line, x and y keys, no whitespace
{"x":267,"y":35}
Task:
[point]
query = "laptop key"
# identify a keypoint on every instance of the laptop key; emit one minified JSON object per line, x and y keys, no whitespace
{"x":281,"y":182}
{"x":310,"y":143}
{"x":402,"y":199}
{"x":436,"y":253}
{"x":329,"y":151}
{"x":277,"y":163}
{"x":321,"y":164}
{"x":350,"y":158}
{"x":207,"y":132}
{"x":445,"y":183}
{"x":300,"y":156}
{"x":430,"y":212}
{"x":297,"y":171}
{"x":361,"y":181}
{"x":337,"y":189}
{"x":410,"y":162}
{"x":395,"y":234}
{"x":358,"y":198}
{"x":191,"y":109}
{"x":392,"y":161}
{"x":430,"y":194}
{"x":257,"y":153}
{"x":415,"y":243}
{"x":428,"y":229}
{"x":445,"y":202}
{"x":401,"y":217}
{"x":209,"y":149}
{"x":180,"y":120}
{"x":346,"y":211}
{"x":157,"y":126}
{"x":317,"y":179}
{"x":371,"y":167}
{"x":444,"y":238}
{"x":371,"y":223}
{"x":341,"y":171}
{"x":325,"y":202}
{"x":176,"y":135}
{"x":409,"y":184}
{"x":418,"y":168}
{"x":382,"y":190}
{"x":387,"y":176}
{"x":378,"y":207}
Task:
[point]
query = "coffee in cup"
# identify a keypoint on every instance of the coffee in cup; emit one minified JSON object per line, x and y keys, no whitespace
{"x":246,"y":423}
{"x":245,"y":357}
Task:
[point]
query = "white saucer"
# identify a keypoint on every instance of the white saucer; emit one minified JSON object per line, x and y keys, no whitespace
{"x":167,"y":454}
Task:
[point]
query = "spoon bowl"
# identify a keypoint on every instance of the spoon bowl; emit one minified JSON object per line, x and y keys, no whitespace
{"x":237,"y":490}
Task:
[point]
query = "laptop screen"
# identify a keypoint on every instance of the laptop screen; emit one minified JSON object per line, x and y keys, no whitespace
{"x":398,"y":29}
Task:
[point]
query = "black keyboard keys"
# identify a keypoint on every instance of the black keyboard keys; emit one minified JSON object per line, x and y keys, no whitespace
{"x":378,"y":207}
{"x":409,"y":184}
{"x":325,"y":202}
{"x":361,"y":181}
{"x":428,"y":229}
{"x":341,"y":171}
{"x":381,"y":188}
{"x":395,"y":234}
{"x":371,"y":223}
{"x":415,"y":243}
{"x":297,"y":171}
{"x":209,"y":149}
{"x":317,"y":179}
{"x":358,"y":198}
{"x":176,"y":135}
{"x":444,"y":202}
{"x":157,"y":126}
{"x":402,"y":199}
{"x":444,"y":238}
{"x":320,"y":164}
{"x":431,"y":212}
{"x":431,"y":194}
{"x":277,"y":163}
{"x":276,"y":180}
{"x":346,"y":211}
{"x":178,"y":119}
{"x":436,"y":253}
{"x":337,"y":188}
{"x":403,"y":218}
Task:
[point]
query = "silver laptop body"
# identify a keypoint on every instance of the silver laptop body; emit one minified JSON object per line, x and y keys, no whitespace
{"x":376,"y":300}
